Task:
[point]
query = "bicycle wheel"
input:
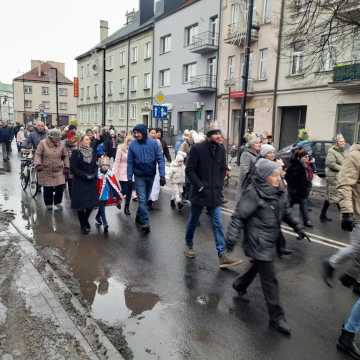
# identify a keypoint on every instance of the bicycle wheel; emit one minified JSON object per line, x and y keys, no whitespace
{"x":34,"y":187}
{"x":24,"y":177}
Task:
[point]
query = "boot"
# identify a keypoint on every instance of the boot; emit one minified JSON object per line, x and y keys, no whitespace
{"x":172,"y":204}
{"x":226,"y":262}
{"x":323,"y":216}
{"x":346,"y":344}
{"x":328,"y":273}
{"x":127,"y":210}
{"x":281,"y":326}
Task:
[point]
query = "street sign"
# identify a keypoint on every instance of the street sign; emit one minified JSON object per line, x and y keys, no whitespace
{"x":159,"y":98}
{"x":160,"y":112}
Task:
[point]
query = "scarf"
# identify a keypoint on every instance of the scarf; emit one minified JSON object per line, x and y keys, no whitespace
{"x":87,"y":153}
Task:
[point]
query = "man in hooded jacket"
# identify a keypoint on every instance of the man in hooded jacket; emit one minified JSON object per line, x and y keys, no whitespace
{"x":143,"y":156}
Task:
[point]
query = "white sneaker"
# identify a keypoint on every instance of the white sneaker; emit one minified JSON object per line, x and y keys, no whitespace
{"x":58,"y":207}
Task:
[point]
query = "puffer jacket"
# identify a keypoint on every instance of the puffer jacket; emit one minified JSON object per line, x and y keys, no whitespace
{"x":257,"y":220}
{"x":177,"y":173}
{"x":334,"y":160}
{"x":349,"y":184}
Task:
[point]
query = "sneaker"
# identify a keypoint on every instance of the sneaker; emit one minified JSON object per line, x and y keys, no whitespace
{"x":58,"y":207}
{"x":190,"y":253}
{"x":49,"y":207}
{"x":145,"y":228}
{"x":281,"y":326}
{"x":226,"y":262}
{"x":98,"y":222}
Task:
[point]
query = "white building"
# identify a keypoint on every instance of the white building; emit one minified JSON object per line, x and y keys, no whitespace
{"x":6,"y":103}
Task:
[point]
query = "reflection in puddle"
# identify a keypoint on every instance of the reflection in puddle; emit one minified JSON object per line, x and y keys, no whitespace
{"x":115,"y":302}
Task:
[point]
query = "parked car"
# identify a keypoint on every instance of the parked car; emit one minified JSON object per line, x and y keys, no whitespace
{"x":317,"y":149}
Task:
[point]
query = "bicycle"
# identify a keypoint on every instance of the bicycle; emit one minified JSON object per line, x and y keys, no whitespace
{"x":28,"y":174}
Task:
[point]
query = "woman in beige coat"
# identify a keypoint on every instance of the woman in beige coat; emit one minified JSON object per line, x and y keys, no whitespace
{"x":52,"y":163}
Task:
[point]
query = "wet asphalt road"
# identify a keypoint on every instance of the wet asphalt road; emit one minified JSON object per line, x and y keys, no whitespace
{"x":175,"y":308}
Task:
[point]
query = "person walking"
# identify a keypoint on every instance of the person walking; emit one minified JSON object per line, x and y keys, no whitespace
{"x":110,"y":144}
{"x":38,"y":134}
{"x":84,"y":169}
{"x":71,"y":143}
{"x":164,"y":145}
{"x":257,"y":223}
{"x":5,"y":136}
{"x":299,"y":183}
{"x":52,"y":163}
{"x":334,"y":160}
{"x":20,"y":138}
{"x":120,"y":171}
{"x":177,"y":180}
{"x":143,"y":157}
{"x":206,"y":168}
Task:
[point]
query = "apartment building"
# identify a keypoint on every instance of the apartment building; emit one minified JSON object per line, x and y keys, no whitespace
{"x":6,"y":103}
{"x":186,"y":64}
{"x":37,"y":95}
{"x":263,"y":63}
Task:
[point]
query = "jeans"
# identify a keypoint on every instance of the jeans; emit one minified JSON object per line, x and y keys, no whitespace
{"x":217,"y":227}
{"x":143,"y":188}
{"x":269,"y":284}
{"x":126,"y":190}
{"x":53,"y":195}
{"x":353,"y":323}
{"x":101,"y":215}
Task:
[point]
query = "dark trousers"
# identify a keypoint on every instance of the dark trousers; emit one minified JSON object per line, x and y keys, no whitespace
{"x":53,"y":195}
{"x":5,"y":152}
{"x":101,"y":215}
{"x":269,"y":284}
{"x":83,"y":216}
{"x":304,"y":210}
{"x":126,"y":190}
{"x":70,"y":182}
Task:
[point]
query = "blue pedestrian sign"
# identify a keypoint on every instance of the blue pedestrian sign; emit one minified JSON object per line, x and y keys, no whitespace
{"x":160,"y":112}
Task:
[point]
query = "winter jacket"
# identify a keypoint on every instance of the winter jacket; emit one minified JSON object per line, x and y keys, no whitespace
{"x":120,"y":164}
{"x":247,"y":158}
{"x":349,"y":184}
{"x":84,"y":181}
{"x":53,"y":159}
{"x":334,"y":160}
{"x":34,"y":139}
{"x":144,"y":155}
{"x":165,"y":149}
{"x":20,"y":136}
{"x":206,"y":172}
{"x":110,"y":146}
{"x":297,"y":181}
{"x":6,"y":134}
{"x":177,"y":173}
{"x":108,"y":188}
{"x":257,"y":220}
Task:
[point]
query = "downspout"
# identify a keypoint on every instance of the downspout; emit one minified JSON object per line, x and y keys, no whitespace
{"x":277,"y":70}
{"x":218,"y":61}
{"x":128,"y":89}
{"x":153,"y":74}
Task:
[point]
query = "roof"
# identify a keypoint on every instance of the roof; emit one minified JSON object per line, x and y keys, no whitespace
{"x":179,"y":8}
{"x":33,"y":75}
{"x":124,"y":33}
{"x":6,"y":88}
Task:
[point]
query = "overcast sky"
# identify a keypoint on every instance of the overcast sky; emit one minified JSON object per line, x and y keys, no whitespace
{"x":53,"y":30}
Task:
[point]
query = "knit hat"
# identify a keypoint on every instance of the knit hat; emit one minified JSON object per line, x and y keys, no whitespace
{"x":265,"y":149}
{"x":213,"y":132}
{"x":54,"y":134}
{"x":104,"y":161}
{"x":265,"y":168}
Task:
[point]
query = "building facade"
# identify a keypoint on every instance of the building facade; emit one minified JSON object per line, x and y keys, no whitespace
{"x":36,"y":94}
{"x":186,"y":64}
{"x":6,"y":103}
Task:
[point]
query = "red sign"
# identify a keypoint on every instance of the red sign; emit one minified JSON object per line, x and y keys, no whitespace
{"x":237,"y":94}
{"x":76,"y":87}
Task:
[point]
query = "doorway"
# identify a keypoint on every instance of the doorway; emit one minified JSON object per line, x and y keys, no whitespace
{"x":292,"y":119}
{"x":187,"y":120}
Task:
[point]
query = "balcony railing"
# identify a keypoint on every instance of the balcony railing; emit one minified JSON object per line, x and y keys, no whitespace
{"x":203,"y":84}
{"x":236,"y":34}
{"x":204,"y":42}
{"x":347,"y":72}
{"x":237,"y":90}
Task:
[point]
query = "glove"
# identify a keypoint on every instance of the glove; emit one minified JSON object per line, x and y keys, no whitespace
{"x":39,"y":168}
{"x":347,"y":223}
{"x":303,"y":236}
{"x":162,"y":181}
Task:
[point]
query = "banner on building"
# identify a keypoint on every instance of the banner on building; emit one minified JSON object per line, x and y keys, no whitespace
{"x":76,"y":87}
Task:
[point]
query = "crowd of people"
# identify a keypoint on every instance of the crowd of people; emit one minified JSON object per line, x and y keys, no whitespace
{"x":102,"y":168}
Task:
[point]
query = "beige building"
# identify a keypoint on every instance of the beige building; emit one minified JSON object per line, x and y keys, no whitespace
{"x":35,"y":94}
{"x":263,"y":62}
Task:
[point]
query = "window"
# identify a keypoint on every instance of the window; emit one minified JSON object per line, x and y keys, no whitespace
{"x":134,"y":54}
{"x":133,"y":111}
{"x":122,"y":86}
{"x":235,"y":13}
{"x":63,"y":106}
{"x":81,"y":72}
{"x":147,"y":81}
{"x":87,"y":70}
{"x":263,"y":54}
{"x":231,"y":68}
{"x":148,"y":50}
{"x":63,"y":92}
{"x":109,"y":110}
{"x":250,"y":117}
{"x":81,"y":93}
{"x":328,"y":54}
{"x":165,"y":44}
{"x":110,"y":88}
{"x":165,"y":77}
{"x":122,"y":114}
{"x":190,"y":32}
{"x":267,"y":11}
{"x":133,"y":83}
{"x":96,"y":86}
{"x":88,"y":92}
{"x":28,"y":104}
{"x":44,"y":90}
{"x":46,"y":105}
{"x":297,"y":58}
{"x":189,"y":71}
{"x":123,"y":59}
{"x":109,"y":62}
{"x":28,"y":89}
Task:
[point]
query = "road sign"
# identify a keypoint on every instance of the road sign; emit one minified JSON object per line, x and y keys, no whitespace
{"x":159,"y":98}
{"x":160,"y":112}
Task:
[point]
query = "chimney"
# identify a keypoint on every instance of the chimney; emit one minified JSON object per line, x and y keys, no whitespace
{"x":146,"y":10}
{"x":171,"y":5}
{"x":104,"y":30}
{"x":130,"y":17}
{"x":39,"y":69}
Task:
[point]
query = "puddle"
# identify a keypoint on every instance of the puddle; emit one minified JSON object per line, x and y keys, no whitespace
{"x":115,"y":302}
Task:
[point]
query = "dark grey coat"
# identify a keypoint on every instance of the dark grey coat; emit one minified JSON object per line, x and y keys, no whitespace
{"x":257,"y":220}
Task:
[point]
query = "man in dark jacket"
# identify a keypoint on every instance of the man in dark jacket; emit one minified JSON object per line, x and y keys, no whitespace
{"x":36,"y":136}
{"x":206,"y":169}
{"x":143,"y":157}
{"x":6,"y":135}
{"x":257,"y":217}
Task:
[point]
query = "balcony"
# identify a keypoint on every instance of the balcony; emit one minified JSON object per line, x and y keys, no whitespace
{"x":237,"y":91}
{"x":235,"y":34}
{"x":346,"y":77}
{"x":203,"y":84}
{"x":204,"y":43}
